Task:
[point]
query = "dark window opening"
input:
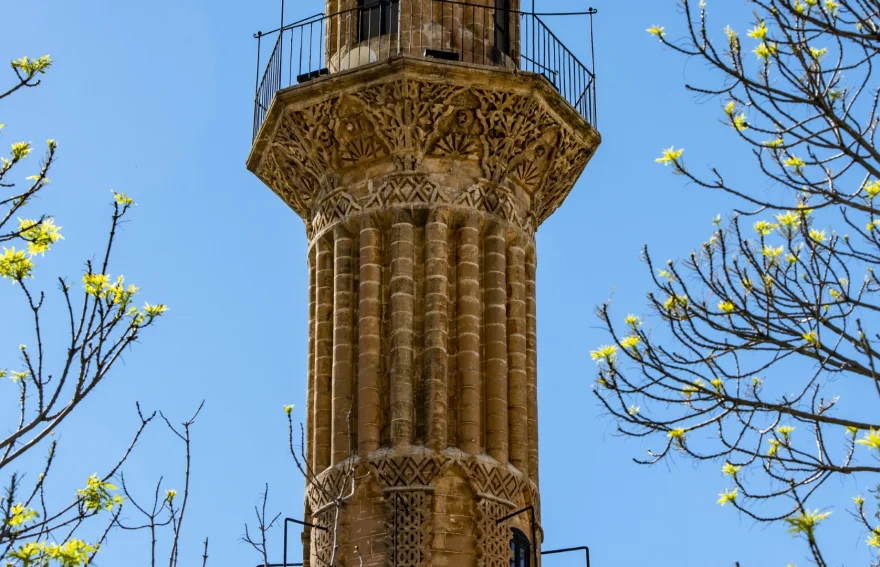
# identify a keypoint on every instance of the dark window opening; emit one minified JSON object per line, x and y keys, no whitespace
{"x":502,"y":27}
{"x":377,"y":17}
{"x":520,"y":550}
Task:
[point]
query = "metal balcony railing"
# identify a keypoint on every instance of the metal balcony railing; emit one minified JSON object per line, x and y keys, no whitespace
{"x":377,"y":30}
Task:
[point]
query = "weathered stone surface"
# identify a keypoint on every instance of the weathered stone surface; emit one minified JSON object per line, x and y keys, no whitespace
{"x":421,"y":185}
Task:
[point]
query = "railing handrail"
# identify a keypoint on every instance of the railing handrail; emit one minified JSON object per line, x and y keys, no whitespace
{"x":561,"y":44}
{"x":316,"y":17}
{"x":322,"y":16}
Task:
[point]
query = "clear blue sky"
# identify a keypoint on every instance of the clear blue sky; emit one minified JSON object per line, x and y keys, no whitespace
{"x":155,"y":99}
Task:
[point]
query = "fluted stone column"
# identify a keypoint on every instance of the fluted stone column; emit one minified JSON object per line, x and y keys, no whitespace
{"x":323,"y":355}
{"x":436,"y":328}
{"x":402,"y":290}
{"x":343,"y":348}
{"x":310,"y":384}
{"x":469,"y":309}
{"x":532,"y":363}
{"x":517,"y":354}
{"x":495,"y":331}
{"x":370,"y":338}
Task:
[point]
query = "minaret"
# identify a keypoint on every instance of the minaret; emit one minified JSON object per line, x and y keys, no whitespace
{"x":423,"y":142}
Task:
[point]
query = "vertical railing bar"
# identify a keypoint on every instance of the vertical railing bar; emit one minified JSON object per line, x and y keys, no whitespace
{"x":257,"y":84}
{"x":300,"y":49}
{"x":534,"y":39}
{"x":563,"y":80}
{"x":559,"y":63}
{"x":281,"y":46}
{"x":441,"y":39}
{"x":290,"y":60}
{"x":563,"y":70}
{"x":517,"y":34}
{"x":337,"y":25}
{"x":570,"y":77}
{"x":593,"y":120}
{"x":486,"y":35}
{"x":536,"y":47}
{"x":579,"y":79}
{"x":311,"y":41}
{"x":556,"y":59}
{"x":474,"y":34}
{"x":589,"y":100}
{"x":548,"y":51}
{"x":461,"y":33}
{"x":581,"y":83}
{"x":348,"y":36}
{"x":539,"y":56}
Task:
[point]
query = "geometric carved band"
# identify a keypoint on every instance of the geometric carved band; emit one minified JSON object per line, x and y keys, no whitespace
{"x":405,"y":479}
{"x":417,"y":191}
{"x":416,"y":470}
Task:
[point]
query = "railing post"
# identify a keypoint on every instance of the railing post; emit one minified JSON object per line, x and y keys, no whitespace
{"x":281,"y":45}
{"x":593,"y":118}
{"x":259,"y":37}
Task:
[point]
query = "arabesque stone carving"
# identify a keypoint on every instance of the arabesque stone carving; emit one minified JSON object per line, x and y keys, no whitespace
{"x":523,"y":157}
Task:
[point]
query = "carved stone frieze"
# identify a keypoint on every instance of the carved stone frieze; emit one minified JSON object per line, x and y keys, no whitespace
{"x":345,"y":144}
{"x":416,"y":469}
{"x":407,"y":480}
{"x":333,"y":483}
{"x":489,"y":478}
{"x":418,"y":191}
{"x":420,"y":468}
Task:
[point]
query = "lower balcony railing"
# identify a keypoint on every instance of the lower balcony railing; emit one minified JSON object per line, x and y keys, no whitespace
{"x":443,"y":29}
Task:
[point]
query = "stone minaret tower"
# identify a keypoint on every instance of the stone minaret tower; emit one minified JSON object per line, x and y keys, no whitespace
{"x":423,"y":144}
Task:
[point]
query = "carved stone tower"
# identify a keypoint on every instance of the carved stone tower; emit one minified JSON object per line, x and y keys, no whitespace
{"x":422,"y":142}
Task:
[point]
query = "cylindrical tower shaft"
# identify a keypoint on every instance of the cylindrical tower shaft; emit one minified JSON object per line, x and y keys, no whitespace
{"x":422,"y":173}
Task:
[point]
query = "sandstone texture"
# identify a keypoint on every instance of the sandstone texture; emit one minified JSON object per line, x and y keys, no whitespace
{"x":421,"y":184}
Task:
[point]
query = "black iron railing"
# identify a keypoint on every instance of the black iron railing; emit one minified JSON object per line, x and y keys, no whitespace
{"x":443,"y":29}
